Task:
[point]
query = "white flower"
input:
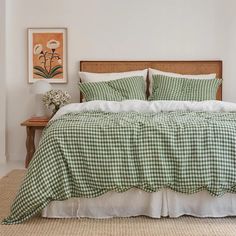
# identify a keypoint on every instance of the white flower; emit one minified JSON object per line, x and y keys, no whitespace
{"x":38,"y":49}
{"x":53,"y":44}
{"x":56,"y":98}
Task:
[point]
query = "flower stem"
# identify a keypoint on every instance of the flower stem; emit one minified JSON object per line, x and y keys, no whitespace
{"x":52,"y":56}
{"x":45,"y":61}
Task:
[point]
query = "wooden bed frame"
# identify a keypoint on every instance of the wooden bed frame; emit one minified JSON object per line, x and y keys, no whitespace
{"x":182,"y":67}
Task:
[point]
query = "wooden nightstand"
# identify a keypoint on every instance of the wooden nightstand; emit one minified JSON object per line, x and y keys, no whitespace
{"x":32,"y":124}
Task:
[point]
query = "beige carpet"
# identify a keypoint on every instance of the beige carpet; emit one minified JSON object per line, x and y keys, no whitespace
{"x":118,"y":226}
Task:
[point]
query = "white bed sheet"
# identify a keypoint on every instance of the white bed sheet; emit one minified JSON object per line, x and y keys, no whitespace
{"x":146,"y":106}
{"x":135,"y":202}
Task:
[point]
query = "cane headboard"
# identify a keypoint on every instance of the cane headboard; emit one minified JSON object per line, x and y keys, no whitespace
{"x":182,"y":67}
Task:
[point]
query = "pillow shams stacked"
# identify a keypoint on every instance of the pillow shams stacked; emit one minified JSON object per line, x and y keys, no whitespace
{"x":152,"y":72}
{"x":115,"y":90}
{"x":183,"y":89}
{"x":98,"y":77}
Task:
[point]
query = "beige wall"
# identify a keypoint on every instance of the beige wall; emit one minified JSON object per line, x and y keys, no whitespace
{"x":113,"y":30}
{"x":2,"y":81}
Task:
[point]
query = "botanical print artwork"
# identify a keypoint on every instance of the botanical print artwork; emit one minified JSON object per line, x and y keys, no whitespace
{"x":48,"y":55}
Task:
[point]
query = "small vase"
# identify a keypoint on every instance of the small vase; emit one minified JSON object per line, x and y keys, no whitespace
{"x":54,"y":111}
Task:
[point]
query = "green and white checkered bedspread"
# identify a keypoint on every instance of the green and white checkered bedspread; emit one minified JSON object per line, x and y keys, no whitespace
{"x":89,"y":153}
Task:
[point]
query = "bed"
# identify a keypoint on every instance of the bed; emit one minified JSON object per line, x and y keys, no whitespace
{"x":200,"y":183}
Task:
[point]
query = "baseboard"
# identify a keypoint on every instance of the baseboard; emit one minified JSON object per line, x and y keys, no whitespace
{"x":15,"y":158}
{"x":3,"y":159}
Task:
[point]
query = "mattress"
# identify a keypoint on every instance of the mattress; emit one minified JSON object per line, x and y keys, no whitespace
{"x":135,"y":202}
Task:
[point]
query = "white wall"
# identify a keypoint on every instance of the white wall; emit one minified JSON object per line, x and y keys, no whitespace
{"x":109,"y":30}
{"x":2,"y":79}
{"x":229,"y":30}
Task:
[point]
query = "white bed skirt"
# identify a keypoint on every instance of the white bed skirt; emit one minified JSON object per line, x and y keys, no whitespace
{"x":135,"y":202}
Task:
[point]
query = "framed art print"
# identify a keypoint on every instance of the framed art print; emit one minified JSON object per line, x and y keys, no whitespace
{"x":47,"y":55}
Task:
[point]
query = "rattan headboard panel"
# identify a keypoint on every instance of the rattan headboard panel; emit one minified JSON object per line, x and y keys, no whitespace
{"x":182,"y":67}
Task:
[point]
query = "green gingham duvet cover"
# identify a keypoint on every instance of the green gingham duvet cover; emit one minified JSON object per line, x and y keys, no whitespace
{"x":88,"y":153}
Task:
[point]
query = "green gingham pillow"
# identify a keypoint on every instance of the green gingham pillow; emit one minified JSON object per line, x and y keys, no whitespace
{"x":182,"y":89}
{"x":115,"y":90}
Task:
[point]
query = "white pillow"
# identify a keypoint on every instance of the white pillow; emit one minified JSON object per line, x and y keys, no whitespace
{"x":152,"y":72}
{"x":98,"y":77}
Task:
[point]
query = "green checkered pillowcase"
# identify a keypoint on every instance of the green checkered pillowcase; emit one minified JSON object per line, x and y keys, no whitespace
{"x":182,"y":89}
{"x":115,"y":90}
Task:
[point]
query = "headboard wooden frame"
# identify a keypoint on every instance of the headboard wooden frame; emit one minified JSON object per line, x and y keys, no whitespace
{"x":182,"y":67}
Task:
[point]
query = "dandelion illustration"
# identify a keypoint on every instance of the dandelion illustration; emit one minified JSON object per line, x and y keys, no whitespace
{"x":47,"y":58}
{"x":38,"y":49}
{"x":53,"y":44}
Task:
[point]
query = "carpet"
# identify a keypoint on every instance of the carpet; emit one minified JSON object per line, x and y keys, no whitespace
{"x":136,"y":226}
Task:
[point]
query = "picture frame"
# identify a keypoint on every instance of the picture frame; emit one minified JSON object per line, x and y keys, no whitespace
{"x":47,"y":55}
